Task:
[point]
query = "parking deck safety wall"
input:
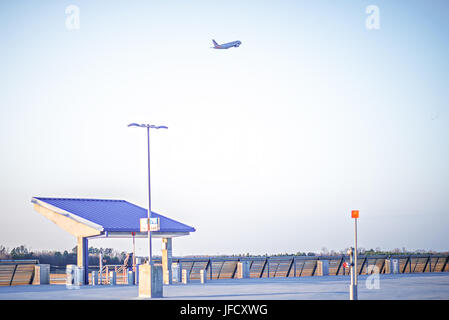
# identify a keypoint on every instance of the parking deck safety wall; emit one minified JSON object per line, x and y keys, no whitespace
{"x":301,"y":266}
{"x":16,"y":272}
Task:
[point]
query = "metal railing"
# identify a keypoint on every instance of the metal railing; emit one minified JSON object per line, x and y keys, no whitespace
{"x":120,"y":271}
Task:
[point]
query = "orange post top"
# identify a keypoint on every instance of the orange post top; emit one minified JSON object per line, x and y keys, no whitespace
{"x":355,"y":214}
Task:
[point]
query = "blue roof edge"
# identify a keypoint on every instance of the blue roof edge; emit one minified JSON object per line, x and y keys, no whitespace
{"x":43,"y":199}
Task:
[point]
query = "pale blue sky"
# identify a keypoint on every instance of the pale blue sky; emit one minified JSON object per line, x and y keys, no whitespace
{"x":270,"y":145}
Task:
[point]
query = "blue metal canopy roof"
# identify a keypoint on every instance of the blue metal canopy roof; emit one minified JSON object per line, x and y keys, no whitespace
{"x":113,"y":215}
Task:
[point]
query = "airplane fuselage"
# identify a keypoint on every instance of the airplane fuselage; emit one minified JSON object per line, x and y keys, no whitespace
{"x":227,"y":45}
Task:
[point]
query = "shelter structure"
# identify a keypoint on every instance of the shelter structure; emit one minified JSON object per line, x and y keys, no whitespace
{"x":99,"y":218}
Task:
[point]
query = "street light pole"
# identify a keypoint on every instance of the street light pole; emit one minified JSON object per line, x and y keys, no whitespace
{"x":150,"y":255}
{"x":148,"y":126}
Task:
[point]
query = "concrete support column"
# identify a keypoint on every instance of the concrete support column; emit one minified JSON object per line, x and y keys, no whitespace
{"x":203,"y":276}
{"x":323,"y":267}
{"x":150,"y":281}
{"x":392,"y":266}
{"x":243,"y":269}
{"x":82,"y":256}
{"x":185,"y":276}
{"x":41,"y":274}
{"x":167,"y":260}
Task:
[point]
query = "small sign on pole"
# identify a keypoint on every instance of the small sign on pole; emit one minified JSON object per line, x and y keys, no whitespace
{"x":355,"y":214}
{"x":144,"y":225}
{"x":155,"y":224}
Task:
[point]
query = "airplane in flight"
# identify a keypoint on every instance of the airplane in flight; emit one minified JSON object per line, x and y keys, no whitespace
{"x":226,"y":45}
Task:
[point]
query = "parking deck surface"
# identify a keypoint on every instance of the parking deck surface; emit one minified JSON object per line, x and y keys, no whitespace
{"x":428,"y":286}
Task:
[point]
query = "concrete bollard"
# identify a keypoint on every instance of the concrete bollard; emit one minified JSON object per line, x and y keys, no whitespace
{"x":323,"y":267}
{"x":112,"y":278}
{"x":79,"y":276}
{"x":177,"y":272}
{"x":391,"y":266}
{"x":70,"y":274}
{"x":203,"y":276}
{"x":167,"y":260}
{"x":94,"y":278}
{"x":75,"y":275}
{"x":185,"y":276}
{"x":243,"y":269}
{"x":41,"y":274}
{"x":130,"y":278}
{"x":150,"y":281}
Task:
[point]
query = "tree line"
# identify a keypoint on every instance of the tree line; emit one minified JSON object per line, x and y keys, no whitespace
{"x":325,"y":252}
{"x":111,"y":256}
{"x":57,"y":258}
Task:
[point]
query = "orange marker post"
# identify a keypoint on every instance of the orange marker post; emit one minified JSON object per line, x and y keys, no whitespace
{"x":355,"y":216}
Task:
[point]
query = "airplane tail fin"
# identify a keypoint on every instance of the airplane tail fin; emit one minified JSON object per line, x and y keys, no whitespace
{"x":215,"y":43}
